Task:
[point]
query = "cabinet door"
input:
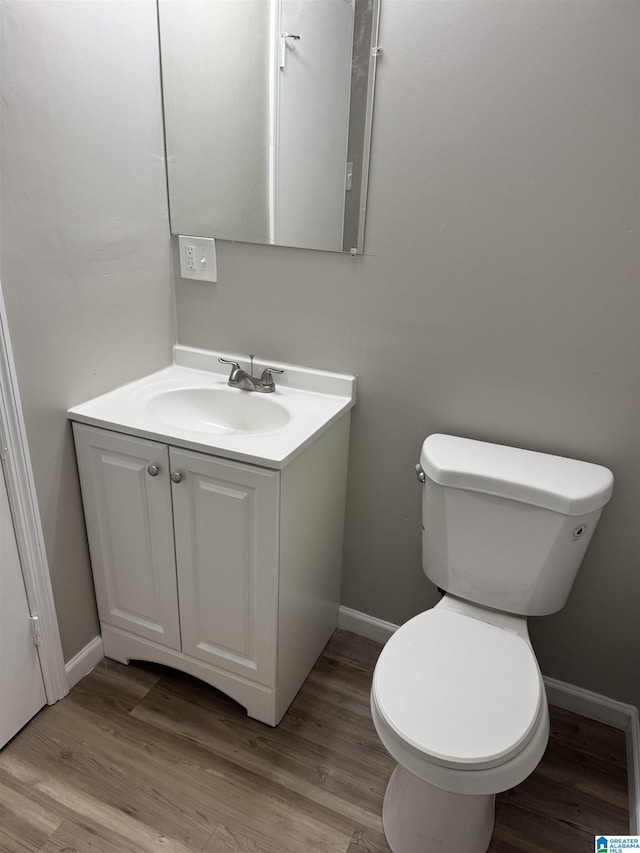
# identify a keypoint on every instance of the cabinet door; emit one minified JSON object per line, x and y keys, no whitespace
{"x":226,"y":528}
{"x":127,"y":505}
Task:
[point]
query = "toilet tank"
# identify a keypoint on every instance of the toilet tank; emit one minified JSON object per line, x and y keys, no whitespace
{"x":504,"y":527}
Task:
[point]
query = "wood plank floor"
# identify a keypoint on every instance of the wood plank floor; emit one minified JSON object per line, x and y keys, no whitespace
{"x":142,"y":759}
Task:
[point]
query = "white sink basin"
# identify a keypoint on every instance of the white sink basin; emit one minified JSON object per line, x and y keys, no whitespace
{"x":190,"y":405}
{"x":217,"y":410}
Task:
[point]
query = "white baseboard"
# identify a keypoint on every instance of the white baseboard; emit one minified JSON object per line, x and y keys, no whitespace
{"x":365,"y":626}
{"x":86,"y":660}
{"x":559,"y":693}
{"x":613,"y":713}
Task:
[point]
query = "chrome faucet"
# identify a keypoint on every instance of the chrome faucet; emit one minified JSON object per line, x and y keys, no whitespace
{"x":239,"y":378}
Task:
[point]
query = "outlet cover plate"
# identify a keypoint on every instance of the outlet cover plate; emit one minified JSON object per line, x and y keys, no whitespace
{"x":198,"y":258}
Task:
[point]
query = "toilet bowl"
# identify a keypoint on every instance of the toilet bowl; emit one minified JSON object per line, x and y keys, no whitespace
{"x":458,"y":700}
{"x":457,"y":697}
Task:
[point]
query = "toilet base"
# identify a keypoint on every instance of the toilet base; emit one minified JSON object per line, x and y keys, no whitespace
{"x":418,"y":818}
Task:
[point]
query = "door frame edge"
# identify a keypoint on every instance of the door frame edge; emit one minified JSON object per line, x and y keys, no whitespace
{"x":16,"y":464}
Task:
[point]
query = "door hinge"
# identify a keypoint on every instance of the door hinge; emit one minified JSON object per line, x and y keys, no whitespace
{"x":348,"y":184}
{"x":36,"y":629}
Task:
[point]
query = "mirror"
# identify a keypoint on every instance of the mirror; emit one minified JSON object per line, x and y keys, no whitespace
{"x":267,"y":110}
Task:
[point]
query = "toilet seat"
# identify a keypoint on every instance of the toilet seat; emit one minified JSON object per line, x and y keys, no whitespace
{"x":463,"y":693}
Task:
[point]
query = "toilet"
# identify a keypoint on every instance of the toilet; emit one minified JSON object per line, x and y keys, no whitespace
{"x":457,"y":697}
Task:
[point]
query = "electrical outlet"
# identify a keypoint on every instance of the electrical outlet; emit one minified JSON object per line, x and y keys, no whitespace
{"x":198,"y":258}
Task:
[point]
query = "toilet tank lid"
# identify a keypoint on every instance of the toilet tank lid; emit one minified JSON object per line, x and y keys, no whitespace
{"x":563,"y":485}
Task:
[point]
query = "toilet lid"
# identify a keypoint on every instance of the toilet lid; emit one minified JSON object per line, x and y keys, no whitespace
{"x":461,"y":691}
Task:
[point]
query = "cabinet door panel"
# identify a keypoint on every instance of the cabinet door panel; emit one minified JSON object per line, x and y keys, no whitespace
{"x":129,"y":523}
{"x":226,"y":529}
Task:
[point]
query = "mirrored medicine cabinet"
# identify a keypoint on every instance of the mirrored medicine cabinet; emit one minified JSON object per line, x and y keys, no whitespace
{"x":268,"y":109}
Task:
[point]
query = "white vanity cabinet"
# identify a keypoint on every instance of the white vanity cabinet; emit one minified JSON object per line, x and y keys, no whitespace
{"x":223,"y":569}
{"x":226,"y":523}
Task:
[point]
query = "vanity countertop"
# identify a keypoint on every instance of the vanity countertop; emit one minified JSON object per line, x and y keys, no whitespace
{"x":168,"y":406}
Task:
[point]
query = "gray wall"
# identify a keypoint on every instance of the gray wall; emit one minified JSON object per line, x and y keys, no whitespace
{"x":85,"y":261}
{"x":498,"y":298}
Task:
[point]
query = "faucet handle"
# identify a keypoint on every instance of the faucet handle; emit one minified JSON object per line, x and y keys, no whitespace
{"x":235,"y":364}
{"x":266,"y":380}
{"x":235,"y":367}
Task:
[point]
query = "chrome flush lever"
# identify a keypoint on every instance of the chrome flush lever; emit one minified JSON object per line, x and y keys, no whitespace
{"x":283,"y":46}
